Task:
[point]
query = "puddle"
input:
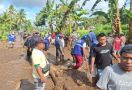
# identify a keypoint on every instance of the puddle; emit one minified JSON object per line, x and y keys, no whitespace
{"x":26,"y":85}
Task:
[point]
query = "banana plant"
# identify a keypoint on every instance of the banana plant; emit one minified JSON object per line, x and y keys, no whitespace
{"x":130,"y":23}
{"x":60,"y":14}
{"x":72,"y":14}
{"x":101,"y":13}
{"x":114,"y":14}
{"x":46,"y":15}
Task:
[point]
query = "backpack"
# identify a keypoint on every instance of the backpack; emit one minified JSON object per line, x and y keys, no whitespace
{"x":57,"y":40}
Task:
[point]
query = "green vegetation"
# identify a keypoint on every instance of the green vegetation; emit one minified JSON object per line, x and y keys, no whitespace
{"x":65,"y":16}
{"x":68,"y":16}
{"x":13,"y":20}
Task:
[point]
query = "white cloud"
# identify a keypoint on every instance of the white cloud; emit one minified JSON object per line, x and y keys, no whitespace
{"x":28,"y":3}
{"x":121,"y":3}
{"x":102,"y":5}
{"x":2,"y":8}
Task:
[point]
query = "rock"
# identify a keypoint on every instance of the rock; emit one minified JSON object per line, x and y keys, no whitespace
{"x":79,"y":83}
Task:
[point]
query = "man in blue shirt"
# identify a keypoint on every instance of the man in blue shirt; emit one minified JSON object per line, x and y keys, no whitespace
{"x":79,"y":51}
{"x":11,"y":39}
{"x":47,"y":42}
{"x":58,"y":49}
{"x":92,"y":43}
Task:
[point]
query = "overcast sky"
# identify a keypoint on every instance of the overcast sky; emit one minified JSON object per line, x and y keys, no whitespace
{"x":32,"y":7}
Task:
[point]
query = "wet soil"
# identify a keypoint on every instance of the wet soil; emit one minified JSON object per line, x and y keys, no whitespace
{"x":16,"y":71}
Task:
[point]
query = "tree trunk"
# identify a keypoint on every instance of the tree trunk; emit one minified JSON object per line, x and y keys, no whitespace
{"x":117,"y":21}
{"x":130,"y":32}
{"x":51,"y":27}
{"x":130,"y":25}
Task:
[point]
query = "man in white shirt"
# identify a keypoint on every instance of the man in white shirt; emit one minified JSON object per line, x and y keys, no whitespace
{"x":118,"y":76}
{"x":39,"y":64}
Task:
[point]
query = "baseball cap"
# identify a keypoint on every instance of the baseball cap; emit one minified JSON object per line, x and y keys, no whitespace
{"x":127,"y":49}
{"x":85,"y":37}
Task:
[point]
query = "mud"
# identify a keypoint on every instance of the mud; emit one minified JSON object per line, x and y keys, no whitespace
{"x":16,"y":71}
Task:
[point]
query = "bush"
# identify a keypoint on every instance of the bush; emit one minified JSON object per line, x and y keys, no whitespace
{"x":107,"y":29}
{"x":82,"y":32}
{"x":4,"y":36}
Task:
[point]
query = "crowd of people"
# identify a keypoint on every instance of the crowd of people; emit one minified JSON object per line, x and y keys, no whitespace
{"x":102,"y":51}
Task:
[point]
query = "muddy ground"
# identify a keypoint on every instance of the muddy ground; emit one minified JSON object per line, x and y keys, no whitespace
{"x":16,"y":71}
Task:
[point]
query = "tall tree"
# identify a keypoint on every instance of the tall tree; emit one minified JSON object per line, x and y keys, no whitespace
{"x":114,"y":14}
{"x":46,"y":15}
{"x":130,"y":24}
{"x":21,"y":18}
{"x":11,"y":12}
{"x":63,"y":16}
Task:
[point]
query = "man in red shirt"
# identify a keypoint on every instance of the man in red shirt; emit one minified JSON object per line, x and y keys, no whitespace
{"x":117,"y":45}
{"x":53,"y":38}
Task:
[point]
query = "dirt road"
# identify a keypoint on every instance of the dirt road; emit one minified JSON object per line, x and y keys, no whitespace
{"x":17,"y":72}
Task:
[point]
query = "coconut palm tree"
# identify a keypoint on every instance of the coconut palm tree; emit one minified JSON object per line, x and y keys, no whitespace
{"x":21,"y":18}
{"x":11,"y":12}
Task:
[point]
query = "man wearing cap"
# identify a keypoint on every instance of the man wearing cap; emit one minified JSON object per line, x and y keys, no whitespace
{"x":40,"y":65}
{"x":118,"y":76}
{"x":79,"y":51}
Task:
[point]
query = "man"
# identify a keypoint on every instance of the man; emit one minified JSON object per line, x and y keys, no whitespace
{"x":47,"y":41}
{"x":92,"y":41}
{"x":117,"y":45}
{"x":79,"y":52}
{"x":30,"y":43}
{"x":123,"y":40}
{"x":21,"y":33}
{"x":53,"y":38}
{"x":11,"y":38}
{"x":62,"y":45}
{"x":57,"y":46}
{"x":40,"y":65}
{"x":75,"y":38}
{"x":101,"y":56}
{"x":110,"y":39}
{"x":118,"y":76}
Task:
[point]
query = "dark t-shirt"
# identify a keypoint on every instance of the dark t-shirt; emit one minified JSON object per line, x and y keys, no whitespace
{"x":102,"y":55}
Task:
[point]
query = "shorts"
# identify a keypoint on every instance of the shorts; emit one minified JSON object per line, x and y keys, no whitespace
{"x":53,"y":40}
{"x":117,"y":51}
{"x":11,"y":42}
{"x":39,"y":85}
